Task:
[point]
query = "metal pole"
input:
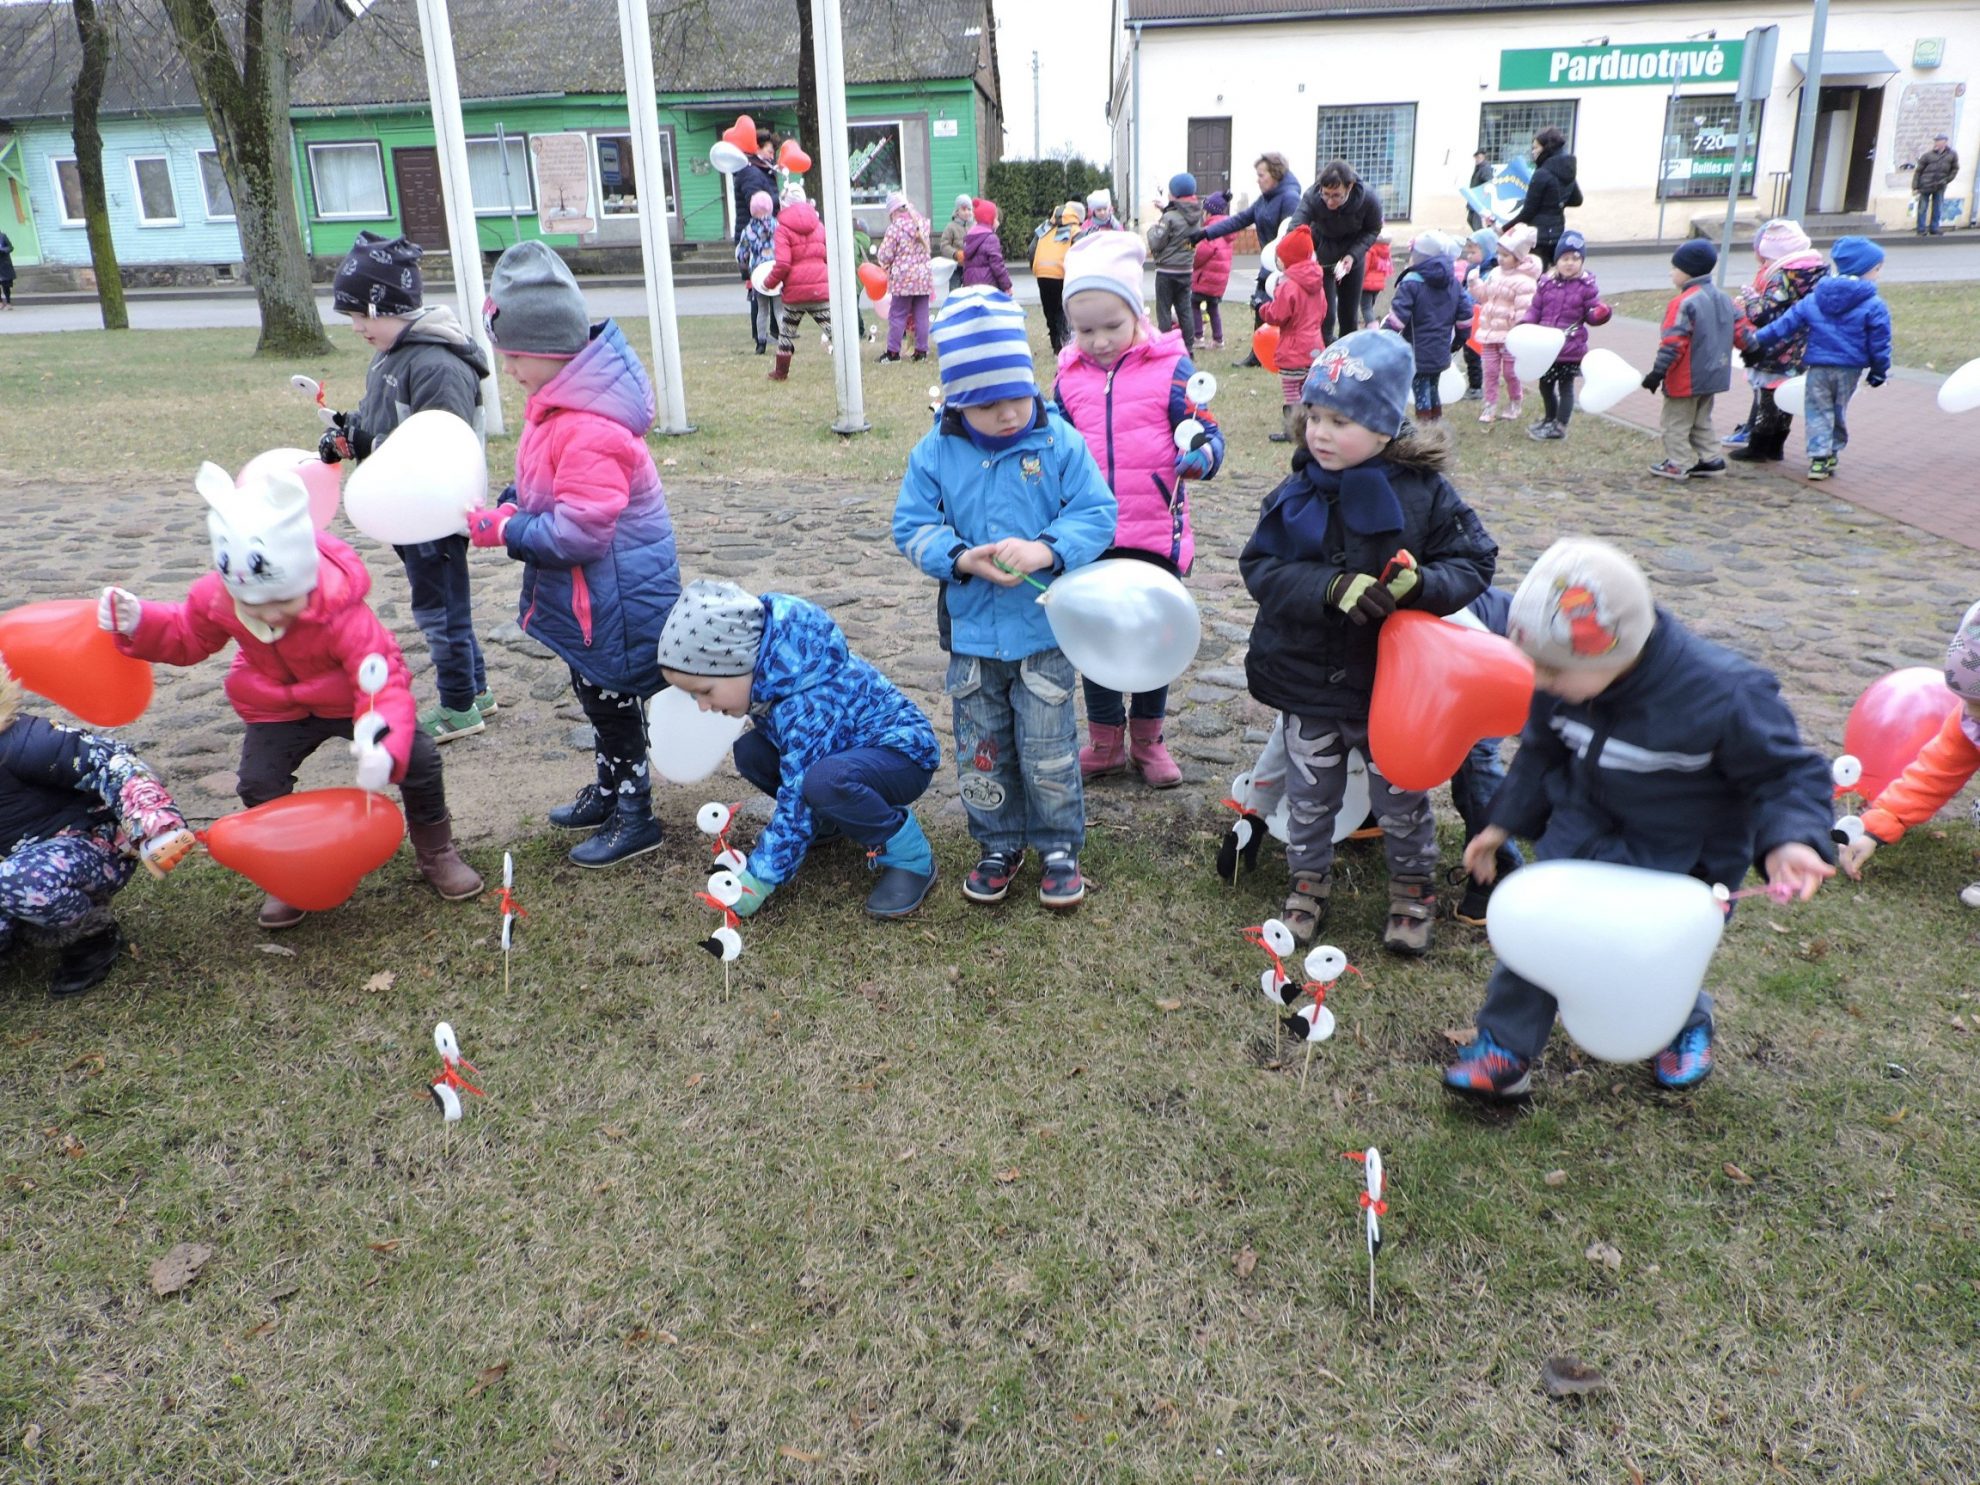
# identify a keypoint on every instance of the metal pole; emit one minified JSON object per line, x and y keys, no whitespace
{"x":436,"y":34}
{"x":1664,"y":159}
{"x":1811,"y":103}
{"x":835,"y":197}
{"x":508,"y":182}
{"x":1134,"y":157}
{"x":1037,"y":153}
{"x":649,"y":166}
{"x":1732,"y":192}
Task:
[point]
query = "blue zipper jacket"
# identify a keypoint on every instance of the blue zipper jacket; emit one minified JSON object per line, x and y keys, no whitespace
{"x":1265,"y":213}
{"x":812,"y":698}
{"x":954,"y":496}
{"x":1690,"y":763}
{"x":1847,"y":325}
{"x":1428,"y":304}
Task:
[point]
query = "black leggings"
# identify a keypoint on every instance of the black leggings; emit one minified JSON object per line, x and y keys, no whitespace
{"x":1557,"y":391}
{"x":618,"y":725}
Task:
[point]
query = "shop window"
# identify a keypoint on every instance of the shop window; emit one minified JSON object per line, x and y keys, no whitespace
{"x":213,"y":182}
{"x":493,"y":192}
{"x":68,"y":190}
{"x":873,"y":160}
{"x":1699,"y":134}
{"x":347,"y":180}
{"x":1506,"y":130}
{"x":618,"y":173}
{"x":1379,"y":141}
{"x":151,"y":180}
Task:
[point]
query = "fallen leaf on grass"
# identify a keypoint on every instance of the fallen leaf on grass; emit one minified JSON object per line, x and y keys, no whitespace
{"x":1459,"y":1037}
{"x":1555,"y":1178}
{"x":1605,"y":1254}
{"x":612,"y":1132}
{"x":906,"y":1155}
{"x":1737,"y":1176}
{"x":1569,"y":1376}
{"x":390,"y":1245}
{"x":1168,"y":1005}
{"x":1635,"y":1476}
{"x":265,"y":1328}
{"x":1959,"y":1023}
{"x":91,"y":1064}
{"x":73,"y":1148}
{"x":487,"y":1377}
{"x":31,"y":1438}
{"x":178,"y":1268}
{"x":1005,"y":1177}
{"x":1246,"y":1261}
{"x":283,"y":949}
{"x":802,"y":1456}
{"x":694,"y":1081}
{"x":1778,"y":927}
{"x":379,"y":983}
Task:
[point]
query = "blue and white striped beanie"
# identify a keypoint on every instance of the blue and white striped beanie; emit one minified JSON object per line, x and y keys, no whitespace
{"x":981,"y":349}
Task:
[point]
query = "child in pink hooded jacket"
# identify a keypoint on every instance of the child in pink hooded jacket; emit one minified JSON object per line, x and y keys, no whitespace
{"x":1503,"y":300}
{"x":1124,"y":386}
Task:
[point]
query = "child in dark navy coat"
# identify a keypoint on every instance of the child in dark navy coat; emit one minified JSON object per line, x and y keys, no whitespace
{"x":1646,"y":746}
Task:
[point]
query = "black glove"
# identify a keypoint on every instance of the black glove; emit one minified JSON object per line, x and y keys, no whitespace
{"x":1361,"y":597}
{"x":1753,"y":355}
{"x":1653,"y":381}
{"x":508,"y":495}
{"x":1875,"y":379}
{"x":1197,"y":234}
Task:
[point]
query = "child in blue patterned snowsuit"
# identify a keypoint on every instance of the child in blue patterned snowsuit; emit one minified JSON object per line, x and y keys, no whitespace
{"x":77,"y":812}
{"x":832,"y":740}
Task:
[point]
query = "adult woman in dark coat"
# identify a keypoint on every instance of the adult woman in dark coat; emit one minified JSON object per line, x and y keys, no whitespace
{"x":1548,"y":195}
{"x":1345,"y":218}
{"x":1278,"y":196}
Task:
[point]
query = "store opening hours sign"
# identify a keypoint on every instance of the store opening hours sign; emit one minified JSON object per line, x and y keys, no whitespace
{"x":1657,"y":64}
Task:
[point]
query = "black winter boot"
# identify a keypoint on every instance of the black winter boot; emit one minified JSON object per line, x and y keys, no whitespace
{"x":632,"y":831}
{"x":592,"y":808}
{"x":87,"y":962}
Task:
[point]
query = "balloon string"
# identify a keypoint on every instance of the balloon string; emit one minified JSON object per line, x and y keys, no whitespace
{"x":1780,"y":892}
{"x":1004,"y":567}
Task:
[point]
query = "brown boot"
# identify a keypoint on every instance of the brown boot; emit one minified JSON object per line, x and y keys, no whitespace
{"x":1412,"y":911}
{"x":1306,"y":905}
{"x":440,"y":863}
{"x":276,"y":913}
{"x":781,"y":371}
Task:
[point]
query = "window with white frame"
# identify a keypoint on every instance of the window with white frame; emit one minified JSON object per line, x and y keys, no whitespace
{"x":873,"y":160}
{"x":213,"y":182}
{"x":1379,"y":141}
{"x":348,"y":180}
{"x":494,"y":191}
{"x":151,"y":184}
{"x":68,"y":189}
{"x":1506,"y":130}
{"x":618,"y":174}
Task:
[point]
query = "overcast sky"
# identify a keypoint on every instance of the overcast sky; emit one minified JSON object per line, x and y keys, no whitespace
{"x":1070,"y":37}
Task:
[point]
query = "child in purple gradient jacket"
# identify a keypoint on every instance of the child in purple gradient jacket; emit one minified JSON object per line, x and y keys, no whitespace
{"x":1567,"y":298}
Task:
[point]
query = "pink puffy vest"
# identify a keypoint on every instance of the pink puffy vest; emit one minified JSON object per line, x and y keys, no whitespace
{"x":1123,"y":415}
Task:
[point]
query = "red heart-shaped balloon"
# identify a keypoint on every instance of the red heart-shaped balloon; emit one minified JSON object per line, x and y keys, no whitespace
{"x":1892,"y":721}
{"x":1439,"y":688}
{"x":312,"y":849}
{"x":794,"y":159}
{"x":742,"y":134}
{"x":873,"y":278}
{"x":1265,"y":346}
{"x":55,"y":650}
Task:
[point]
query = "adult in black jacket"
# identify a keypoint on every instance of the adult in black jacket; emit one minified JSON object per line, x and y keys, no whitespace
{"x":1548,"y":195}
{"x":759,"y":173}
{"x":1345,"y":218}
{"x":1278,"y":197}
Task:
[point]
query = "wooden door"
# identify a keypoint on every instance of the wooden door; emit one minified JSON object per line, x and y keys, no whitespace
{"x":422,"y":209}
{"x":1863,"y":149}
{"x":1210,"y":154}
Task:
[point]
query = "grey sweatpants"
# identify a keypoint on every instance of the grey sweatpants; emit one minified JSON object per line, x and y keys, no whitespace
{"x":1316,"y":781}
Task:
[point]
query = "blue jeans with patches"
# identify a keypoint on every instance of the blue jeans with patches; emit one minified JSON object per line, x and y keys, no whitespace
{"x":1829,"y":391}
{"x":1017,"y":751}
{"x":438,"y":572}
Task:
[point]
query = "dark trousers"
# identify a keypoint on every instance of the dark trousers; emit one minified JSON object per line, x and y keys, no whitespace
{"x":1929,"y":205}
{"x":863,"y":792}
{"x":443,"y":609}
{"x":1212,"y":306}
{"x":1104,"y":706}
{"x":1343,"y":301}
{"x":1474,"y":368}
{"x":1557,"y":391}
{"x":1052,"y":304}
{"x":1544,"y":250}
{"x":6,"y":291}
{"x":273,"y":751}
{"x":618,"y":725}
{"x":762,"y":317}
{"x":1172,"y":302}
{"x":1368,"y":298}
{"x":1478,"y":778}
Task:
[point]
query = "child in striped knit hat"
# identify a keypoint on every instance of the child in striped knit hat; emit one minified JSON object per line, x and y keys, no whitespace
{"x":999,"y":489}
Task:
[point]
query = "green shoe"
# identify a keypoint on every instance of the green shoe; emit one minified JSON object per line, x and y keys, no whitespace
{"x":485,"y":704}
{"x":443,"y":726}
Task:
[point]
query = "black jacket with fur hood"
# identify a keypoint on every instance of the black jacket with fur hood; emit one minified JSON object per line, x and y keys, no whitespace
{"x":1308,"y":657}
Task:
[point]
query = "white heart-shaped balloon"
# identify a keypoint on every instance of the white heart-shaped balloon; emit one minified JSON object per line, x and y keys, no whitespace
{"x":419,"y":484}
{"x":1606,"y":380}
{"x":1791,"y":396}
{"x":1452,"y":384}
{"x":1534,"y":348}
{"x":1960,"y":392}
{"x":686,"y":743}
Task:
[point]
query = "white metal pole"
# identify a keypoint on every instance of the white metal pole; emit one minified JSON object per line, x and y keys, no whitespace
{"x":643,"y":103}
{"x":443,"y":88}
{"x":1811,"y":103}
{"x":836,"y":191}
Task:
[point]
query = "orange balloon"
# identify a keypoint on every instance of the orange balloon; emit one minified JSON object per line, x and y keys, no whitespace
{"x":1891,"y":723}
{"x":874,"y":277}
{"x":55,"y":650}
{"x":312,"y":849}
{"x":1440,"y":688}
{"x":1471,"y":340}
{"x":1265,"y":346}
{"x":794,"y":159}
{"x":742,"y":134}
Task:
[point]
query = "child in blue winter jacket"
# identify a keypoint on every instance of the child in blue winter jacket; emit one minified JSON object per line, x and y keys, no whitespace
{"x":1849,"y":333}
{"x":998,"y":489}
{"x":832,"y":741}
{"x":1646,"y":746}
{"x":1427,"y":306}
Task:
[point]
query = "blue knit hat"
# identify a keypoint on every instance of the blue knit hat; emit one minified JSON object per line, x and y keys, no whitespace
{"x":1855,"y":256}
{"x":1366,"y":378}
{"x":1696,"y":257}
{"x":1571,"y":241}
{"x":981,"y":349}
{"x":1182,"y":183}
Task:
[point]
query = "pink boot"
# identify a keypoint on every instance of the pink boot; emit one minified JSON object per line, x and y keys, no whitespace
{"x":1158,"y":769}
{"x":1106,"y":754}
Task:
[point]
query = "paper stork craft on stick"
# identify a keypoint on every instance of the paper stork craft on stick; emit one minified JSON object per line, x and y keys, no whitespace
{"x":714,"y":819}
{"x":1324,"y":965}
{"x":1374,"y":1207}
{"x":725,"y":890}
{"x":511,"y":910}
{"x":448,"y":1085}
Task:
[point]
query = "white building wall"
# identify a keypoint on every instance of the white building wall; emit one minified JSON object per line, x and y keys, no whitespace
{"x":1270,"y":79}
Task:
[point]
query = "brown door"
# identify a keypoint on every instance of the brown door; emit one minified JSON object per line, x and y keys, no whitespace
{"x":1863,"y":149}
{"x":422,"y":209}
{"x":1210,"y":154}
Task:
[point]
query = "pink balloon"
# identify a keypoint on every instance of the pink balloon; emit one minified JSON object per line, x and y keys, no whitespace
{"x":323,"y":481}
{"x":1892,"y":721}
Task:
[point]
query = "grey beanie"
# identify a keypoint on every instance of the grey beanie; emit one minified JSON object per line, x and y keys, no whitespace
{"x":534,"y":305}
{"x":714,"y":630}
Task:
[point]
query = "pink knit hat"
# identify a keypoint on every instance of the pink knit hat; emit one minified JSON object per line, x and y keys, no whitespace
{"x":1779,"y":238}
{"x":1963,"y":657}
{"x":1519,"y":242}
{"x":760,"y":204}
{"x":1107,"y":261}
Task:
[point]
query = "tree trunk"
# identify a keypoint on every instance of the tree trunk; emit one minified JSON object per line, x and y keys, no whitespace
{"x":84,"y":99}
{"x":246,"y":103}
{"x":807,"y":95}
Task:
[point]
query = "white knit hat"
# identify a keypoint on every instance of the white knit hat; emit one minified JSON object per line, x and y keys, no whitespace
{"x":1584,"y":605}
{"x":264,"y":545}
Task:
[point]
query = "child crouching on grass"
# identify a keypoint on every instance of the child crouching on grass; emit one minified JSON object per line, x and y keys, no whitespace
{"x":839,"y":748}
{"x":1001,"y":488}
{"x":1645,"y":746}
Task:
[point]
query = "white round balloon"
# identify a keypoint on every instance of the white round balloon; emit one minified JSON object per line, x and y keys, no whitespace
{"x":1452,"y":384}
{"x":419,"y":484}
{"x":1606,"y":380}
{"x":1960,"y":392}
{"x":759,"y":279}
{"x":686,"y":743}
{"x":1791,"y":396}
{"x":1126,"y":625}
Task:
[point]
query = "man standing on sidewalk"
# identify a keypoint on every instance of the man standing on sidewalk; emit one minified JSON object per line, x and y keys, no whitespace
{"x":1936,"y":169}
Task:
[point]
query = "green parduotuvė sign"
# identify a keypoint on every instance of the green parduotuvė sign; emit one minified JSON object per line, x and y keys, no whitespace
{"x":1656,"y":65}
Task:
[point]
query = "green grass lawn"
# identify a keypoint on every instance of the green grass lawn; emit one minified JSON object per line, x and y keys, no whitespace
{"x":1932,"y":325}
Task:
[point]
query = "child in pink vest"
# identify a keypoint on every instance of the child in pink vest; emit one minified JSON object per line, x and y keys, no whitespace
{"x":1122,"y":385}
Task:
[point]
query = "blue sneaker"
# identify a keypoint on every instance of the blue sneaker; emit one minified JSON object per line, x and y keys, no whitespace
{"x":1686,"y":1062}
{"x":1738,"y":438}
{"x":1488,"y":1070}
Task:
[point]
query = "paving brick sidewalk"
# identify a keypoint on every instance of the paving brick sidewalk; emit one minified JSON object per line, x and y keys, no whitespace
{"x":1906,"y":459}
